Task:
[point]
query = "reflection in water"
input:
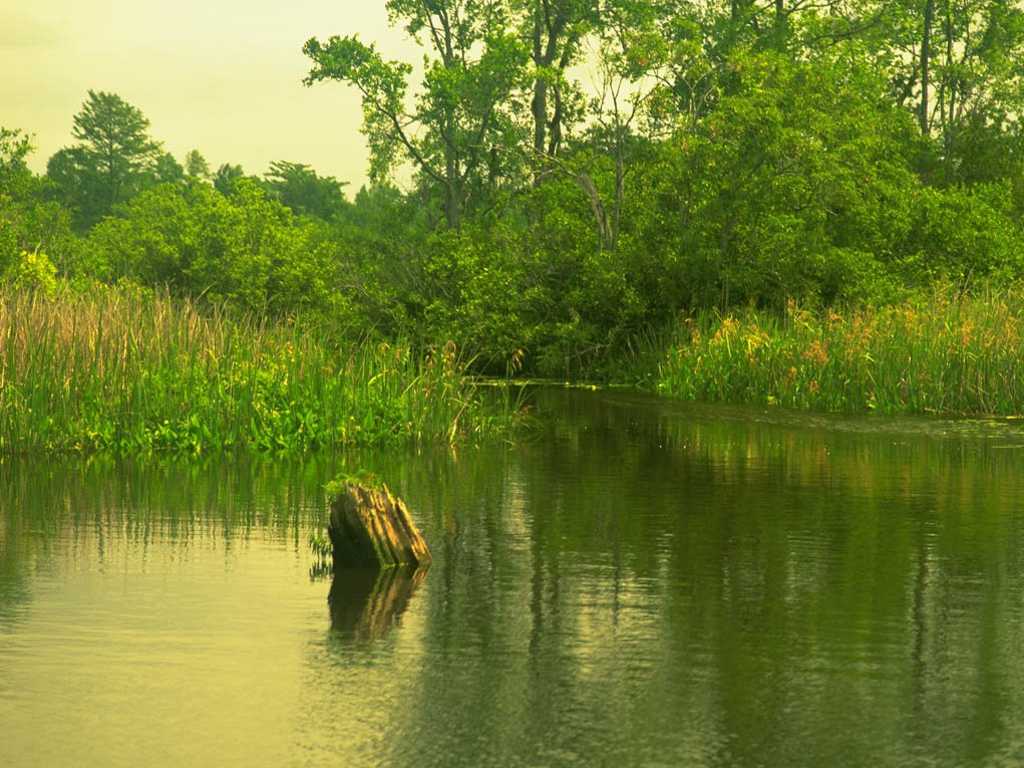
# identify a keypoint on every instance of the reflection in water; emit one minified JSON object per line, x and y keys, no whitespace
{"x":366,"y":603}
{"x":642,"y":583}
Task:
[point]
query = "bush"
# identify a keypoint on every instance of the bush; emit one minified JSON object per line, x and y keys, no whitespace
{"x":31,"y":271}
{"x":245,"y":249}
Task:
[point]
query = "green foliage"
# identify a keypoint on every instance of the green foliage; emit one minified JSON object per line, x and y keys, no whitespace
{"x":226,"y":177}
{"x":715,"y":157}
{"x":31,"y":271}
{"x":15,"y":185}
{"x":964,"y":235}
{"x":28,"y":223}
{"x":323,"y":552}
{"x":112,"y":161}
{"x":15,"y":147}
{"x":778,"y":193}
{"x":461,"y":121}
{"x":196,"y":167}
{"x":299,"y":187}
{"x":167,"y":170}
{"x":362,"y":477}
{"x":245,"y":249}
{"x":384,"y":86}
{"x":131,"y":371}
{"x":938,"y":353}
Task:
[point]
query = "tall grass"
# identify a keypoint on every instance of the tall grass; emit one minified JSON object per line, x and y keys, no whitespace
{"x":134,"y":372}
{"x":943,"y":353}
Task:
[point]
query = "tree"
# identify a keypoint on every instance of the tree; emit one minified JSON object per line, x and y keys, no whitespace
{"x":196,"y":167}
{"x":28,"y":224}
{"x":461,"y":122}
{"x":15,"y":147}
{"x":15,"y":178}
{"x":779,"y":192}
{"x":167,"y":170}
{"x":555,"y":30}
{"x":112,"y":160}
{"x":227,"y":177}
{"x":955,"y":66}
{"x":301,"y":189}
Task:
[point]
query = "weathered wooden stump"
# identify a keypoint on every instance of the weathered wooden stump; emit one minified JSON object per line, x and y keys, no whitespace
{"x":371,"y":528}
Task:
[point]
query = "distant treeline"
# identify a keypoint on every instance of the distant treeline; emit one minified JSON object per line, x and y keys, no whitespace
{"x":581,"y":172}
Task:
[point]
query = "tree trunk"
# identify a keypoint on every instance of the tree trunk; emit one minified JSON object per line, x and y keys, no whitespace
{"x":549,"y":36}
{"x":539,"y":105}
{"x":926,"y":53}
{"x":604,"y":233}
{"x":620,"y":184}
{"x":780,"y":29}
{"x":555,"y":142}
{"x":452,"y":206}
{"x":452,"y":178}
{"x":372,"y":528}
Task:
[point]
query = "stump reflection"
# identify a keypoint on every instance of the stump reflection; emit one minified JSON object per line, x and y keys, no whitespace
{"x":366,"y":603}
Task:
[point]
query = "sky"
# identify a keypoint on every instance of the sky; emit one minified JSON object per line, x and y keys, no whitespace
{"x":220,"y":76}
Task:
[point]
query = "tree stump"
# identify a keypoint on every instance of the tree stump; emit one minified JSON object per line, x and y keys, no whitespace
{"x":372,"y":528}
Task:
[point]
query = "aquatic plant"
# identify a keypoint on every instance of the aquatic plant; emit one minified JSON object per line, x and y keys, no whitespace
{"x":362,"y":477}
{"x":130,"y":370}
{"x":323,"y":555}
{"x":940,"y":353}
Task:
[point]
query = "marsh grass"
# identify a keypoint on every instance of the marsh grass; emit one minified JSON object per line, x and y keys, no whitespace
{"x":130,"y":371}
{"x":943,"y":353}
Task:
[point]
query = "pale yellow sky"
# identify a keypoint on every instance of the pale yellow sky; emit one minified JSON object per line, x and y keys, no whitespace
{"x":221,"y":76}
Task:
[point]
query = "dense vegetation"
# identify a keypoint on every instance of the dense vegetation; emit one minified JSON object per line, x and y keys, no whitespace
{"x":730,"y":159}
{"x":938,"y":354}
{"x":132,"y":372}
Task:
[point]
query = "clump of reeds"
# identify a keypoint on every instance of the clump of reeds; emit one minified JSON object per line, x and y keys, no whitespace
{"x":132,"y":371}
{"x":944,"y":353}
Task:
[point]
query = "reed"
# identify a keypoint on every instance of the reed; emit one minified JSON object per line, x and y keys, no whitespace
{"x":131,"y":371}
{"x":941,"y":353}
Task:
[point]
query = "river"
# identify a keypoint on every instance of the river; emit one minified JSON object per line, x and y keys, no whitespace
{"x":636,"y":582}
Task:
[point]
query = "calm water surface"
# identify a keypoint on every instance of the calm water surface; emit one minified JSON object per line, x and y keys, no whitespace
{"x":641,"y":583}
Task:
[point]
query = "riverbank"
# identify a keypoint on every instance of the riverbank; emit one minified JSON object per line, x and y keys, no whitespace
{"x":133,"y":371}
{"x":938,"y":354}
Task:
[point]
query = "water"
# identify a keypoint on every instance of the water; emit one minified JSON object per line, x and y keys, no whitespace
{"x":640,"y":583}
